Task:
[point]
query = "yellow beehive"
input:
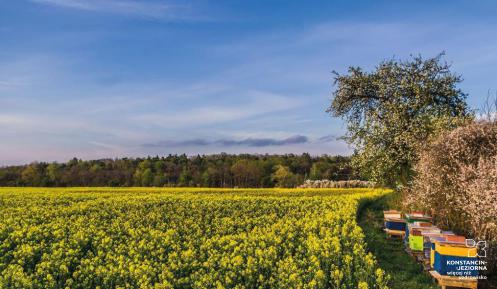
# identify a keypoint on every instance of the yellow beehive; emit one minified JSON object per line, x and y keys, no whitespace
{"x":455,"y":249}
{"x":444,"y":247}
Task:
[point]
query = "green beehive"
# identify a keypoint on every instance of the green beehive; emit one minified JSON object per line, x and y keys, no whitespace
{"x":417,"y":217}
{"x":416,"y":241}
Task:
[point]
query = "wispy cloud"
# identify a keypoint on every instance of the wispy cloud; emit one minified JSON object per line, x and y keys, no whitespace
{"x":263,"y":142}
{"x":155,"y":9}
{"x":328,"y":138}
{"x":176,"y":143}
{"x":248,"y":142}
{"x":254,"y":103}
{"x":106,"y":146}
{"x":11,"y":120}
{"x":17,"y":74}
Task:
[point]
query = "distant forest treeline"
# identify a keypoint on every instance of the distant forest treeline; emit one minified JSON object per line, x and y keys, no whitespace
{"x":220,"y":170}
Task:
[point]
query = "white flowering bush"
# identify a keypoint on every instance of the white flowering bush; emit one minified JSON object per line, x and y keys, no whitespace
{"x":456,"y":181}
{"x":328,"y":184}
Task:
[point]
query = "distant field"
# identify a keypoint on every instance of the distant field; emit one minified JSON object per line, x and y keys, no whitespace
{"x":184,"y":238}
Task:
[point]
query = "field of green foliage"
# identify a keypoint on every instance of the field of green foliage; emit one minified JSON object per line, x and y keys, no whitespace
{"x":185,"y":238}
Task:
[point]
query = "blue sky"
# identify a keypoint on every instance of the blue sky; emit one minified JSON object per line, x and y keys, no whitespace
{"x":114,"y":78}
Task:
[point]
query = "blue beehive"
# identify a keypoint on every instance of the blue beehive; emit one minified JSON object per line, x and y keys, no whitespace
{"x":454,"y":265}
{"x":395,"y":224}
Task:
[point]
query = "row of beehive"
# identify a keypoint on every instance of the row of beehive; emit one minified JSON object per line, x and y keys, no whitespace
{"x":443,"y":251}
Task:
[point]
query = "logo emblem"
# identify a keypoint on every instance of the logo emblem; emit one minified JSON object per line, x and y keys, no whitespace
{"x":480,"y":246}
